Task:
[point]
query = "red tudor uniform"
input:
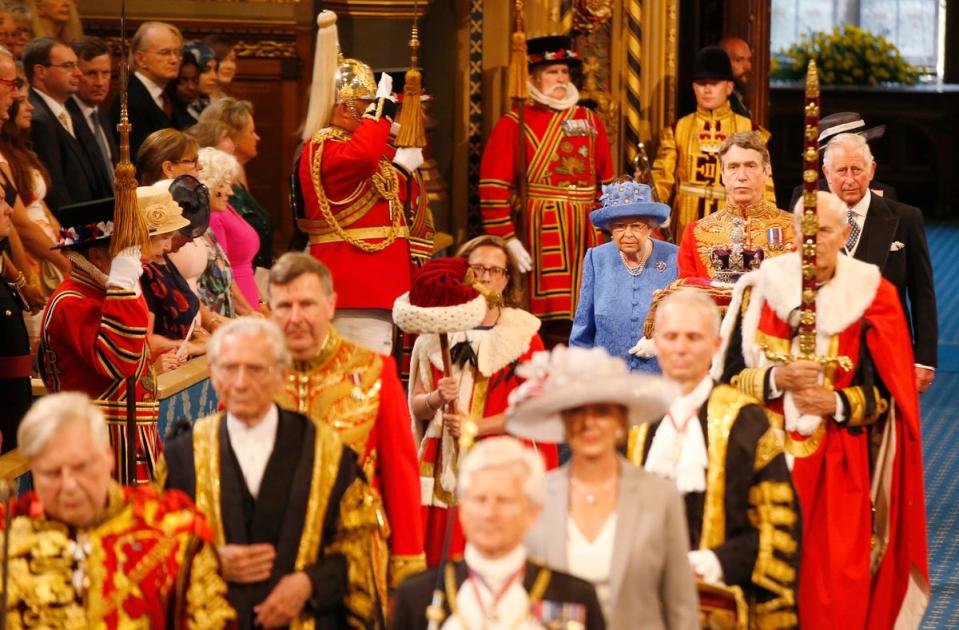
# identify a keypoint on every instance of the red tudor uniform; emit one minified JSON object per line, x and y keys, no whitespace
{"x":354,"y":199}
{"x":357,"y":392}
{"x":879,"y":562}
{"x":92,"y":339}
{"x":484,"y":391}
{"x":567,"y":158}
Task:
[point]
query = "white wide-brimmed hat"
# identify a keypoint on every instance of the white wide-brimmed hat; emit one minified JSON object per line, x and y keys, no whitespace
{"x":567,"y":378}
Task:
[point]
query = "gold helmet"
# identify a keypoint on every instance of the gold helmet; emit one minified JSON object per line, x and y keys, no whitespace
{"x":354,"y":80}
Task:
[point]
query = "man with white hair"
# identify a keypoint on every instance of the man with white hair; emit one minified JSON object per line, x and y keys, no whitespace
{"x":295,"y":523}
{"x":853,"y":433}
{"x":890,"y":235}
{"x":728,"y":463}
{"x":496,"y":586}
{"x":75,"y":534}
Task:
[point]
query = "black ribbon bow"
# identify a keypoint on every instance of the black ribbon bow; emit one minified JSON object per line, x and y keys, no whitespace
{"x":462,"y":353}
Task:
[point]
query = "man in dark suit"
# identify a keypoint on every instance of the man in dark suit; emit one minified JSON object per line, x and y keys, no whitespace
{"x":296,"y":525}
{"x":52,"y":71}
{"x":845,"y":122}
{"x":741,"y":58}
{"x":157,"y":53}
{"x":501,"y":487}
{"x":891,"y":236}
{"x":89,"y":121}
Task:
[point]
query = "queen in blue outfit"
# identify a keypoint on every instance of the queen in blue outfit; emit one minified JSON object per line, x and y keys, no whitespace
{"x":619,"y":277}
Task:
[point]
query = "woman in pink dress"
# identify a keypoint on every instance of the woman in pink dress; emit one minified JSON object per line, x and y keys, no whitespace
{"x":237,"y":238}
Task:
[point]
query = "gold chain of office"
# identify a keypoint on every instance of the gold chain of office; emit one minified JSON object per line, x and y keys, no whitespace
{"x":384,"y":182}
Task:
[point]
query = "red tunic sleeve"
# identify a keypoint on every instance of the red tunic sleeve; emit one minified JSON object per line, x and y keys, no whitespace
{"x":497,"y":174}
{"x":688,"y":258}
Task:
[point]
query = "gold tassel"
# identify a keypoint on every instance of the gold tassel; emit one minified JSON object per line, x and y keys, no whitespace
{"x":518,"y":70}
{"x":412,"y":131}
{"x":129,"y":225}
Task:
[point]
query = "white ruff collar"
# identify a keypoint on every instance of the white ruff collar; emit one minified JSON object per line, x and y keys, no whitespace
{"x":495,"y":348}
{"x":571,"y":99}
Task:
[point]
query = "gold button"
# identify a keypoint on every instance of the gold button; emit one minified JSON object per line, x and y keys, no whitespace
{"x":8,"y":312}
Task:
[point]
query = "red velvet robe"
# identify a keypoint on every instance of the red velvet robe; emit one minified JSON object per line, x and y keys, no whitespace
{"x":484,"y":391}
{"x":833,"y":474}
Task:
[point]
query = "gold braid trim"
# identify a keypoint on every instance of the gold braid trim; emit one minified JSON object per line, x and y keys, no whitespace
{"x":206,"y":463}
{"x":751,"y":382}
{"x":769,"y":446}
{"x":206,"y":595}
{"x":856,"y":395}
{"x":636,"y":444}
{"x":401,"y":567}
{"x":722,"y":410}
{"x":385,"y":182}
{"x":773,"y":504}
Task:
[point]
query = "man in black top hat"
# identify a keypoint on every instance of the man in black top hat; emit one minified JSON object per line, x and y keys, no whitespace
{"x":846,"y":122}
{"x":687,"y":169}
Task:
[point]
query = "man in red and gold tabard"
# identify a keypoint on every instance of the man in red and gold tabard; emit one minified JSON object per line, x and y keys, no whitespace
{"x":854,"y":433}
{"x":343,"y":385}
{"x":748,"y":229}
{"x":687,"y":169}
{"x":565,"y":159}
{"x":94,"y":333}
{"x":88,"y":553}
{"x":365,"y":209}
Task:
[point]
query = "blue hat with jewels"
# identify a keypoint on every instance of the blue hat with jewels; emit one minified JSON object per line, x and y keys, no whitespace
{"x":627,"y":198}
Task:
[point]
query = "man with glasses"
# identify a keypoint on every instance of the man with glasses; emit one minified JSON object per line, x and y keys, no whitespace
{"x":347,"y":387}
{"x":89,"y":121}
{"x":749,"y":228}
{"x":295,"y":522}
{"x":53,"y":73}
{"x":157,"y":52}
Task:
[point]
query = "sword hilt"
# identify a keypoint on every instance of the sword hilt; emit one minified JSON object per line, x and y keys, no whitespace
{"x":843,"y":362}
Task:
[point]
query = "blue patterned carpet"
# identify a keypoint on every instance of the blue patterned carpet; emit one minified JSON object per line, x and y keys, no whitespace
{"x":940,"y":425}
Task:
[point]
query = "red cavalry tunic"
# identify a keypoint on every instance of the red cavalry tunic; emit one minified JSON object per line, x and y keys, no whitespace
{"x":354,"y":198}
{"x":567,"y":158}
{"x":357,"y":392}
{"x":91,"y":340}
{"x":484,"y":391}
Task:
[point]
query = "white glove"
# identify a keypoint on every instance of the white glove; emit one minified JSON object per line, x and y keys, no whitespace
{"x":644,"y":348}
{"x":524,"y":262}
{"x":384,"y":89}
{"x":705,"y":565}
{"x":126,"y":269}
{"x":410,"y":158}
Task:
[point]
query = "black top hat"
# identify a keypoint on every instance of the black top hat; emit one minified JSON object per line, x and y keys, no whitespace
{"x":194,"y":199}
{"x":86,"y":223}
{"x":541,"y":51}
{"x":713,"y":63}
{"x":846,"y":122}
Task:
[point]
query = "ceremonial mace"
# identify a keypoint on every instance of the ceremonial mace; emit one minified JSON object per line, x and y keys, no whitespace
{"x":129,"y":227}
{"x":810,"y":229}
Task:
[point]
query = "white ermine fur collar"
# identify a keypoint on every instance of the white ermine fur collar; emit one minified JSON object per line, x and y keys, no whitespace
{"x":495,"y":348}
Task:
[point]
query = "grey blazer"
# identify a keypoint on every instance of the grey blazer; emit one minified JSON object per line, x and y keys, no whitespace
{"x":651,"y":585}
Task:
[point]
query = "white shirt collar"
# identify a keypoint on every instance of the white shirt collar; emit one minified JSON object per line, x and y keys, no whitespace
{"x":862,"y":206}
{"x":682,"y":456}
{"x":156,"y":91}
{"x":495,"y":571}
{"x":85,"y":109}
{"x":253,"y":445}
{"x":689,"y":403}
{"x":55,"y":107}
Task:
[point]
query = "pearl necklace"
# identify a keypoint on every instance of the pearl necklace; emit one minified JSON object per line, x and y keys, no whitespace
{"x":637,"y":270}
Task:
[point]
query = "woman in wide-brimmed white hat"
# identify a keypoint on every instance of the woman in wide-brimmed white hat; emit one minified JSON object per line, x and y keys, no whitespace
{"x":604,"y":519}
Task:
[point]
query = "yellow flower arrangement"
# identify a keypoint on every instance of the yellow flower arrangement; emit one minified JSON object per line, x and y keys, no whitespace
{"x":847,"y":56}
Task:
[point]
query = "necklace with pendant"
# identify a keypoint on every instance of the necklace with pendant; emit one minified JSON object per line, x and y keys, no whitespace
{"x":591,"y":494}
{"x":491,"y":616}
{"x":680,"y":436}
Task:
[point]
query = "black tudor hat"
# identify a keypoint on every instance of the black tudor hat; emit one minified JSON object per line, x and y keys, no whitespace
{"x":542,"y":51}
{"x":85,"y":223}
{"x":712,"y":62}
{"x":846,"y":122}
